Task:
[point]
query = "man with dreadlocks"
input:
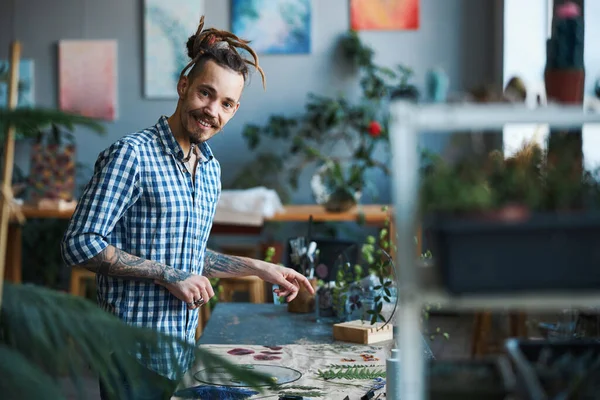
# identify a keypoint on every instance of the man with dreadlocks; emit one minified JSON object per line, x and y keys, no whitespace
{"x":144,"y":218}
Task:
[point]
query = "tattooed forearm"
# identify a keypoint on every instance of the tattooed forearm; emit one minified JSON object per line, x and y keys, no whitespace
{"x":218,"y":265}
{"x":114,"y":262}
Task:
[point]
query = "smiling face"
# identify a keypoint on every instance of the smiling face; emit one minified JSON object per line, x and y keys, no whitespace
{"x":208,"y":99}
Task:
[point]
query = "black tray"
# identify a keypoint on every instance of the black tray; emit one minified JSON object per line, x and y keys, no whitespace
{"x":483,"y":379}
{"x":546,"y":252}
{"x":525,"y":354}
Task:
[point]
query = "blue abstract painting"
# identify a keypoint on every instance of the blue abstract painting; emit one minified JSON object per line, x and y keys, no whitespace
{"x":167,"y":27}
{"x":26,"y":96}
{"x":273,"y":26}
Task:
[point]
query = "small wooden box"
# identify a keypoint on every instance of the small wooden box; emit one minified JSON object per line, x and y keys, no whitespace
{"x":362,"y":332}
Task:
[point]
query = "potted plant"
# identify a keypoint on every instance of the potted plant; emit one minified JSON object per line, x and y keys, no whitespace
{"x":53,"y":160}
{"x":564,"y":74}
{"x":339,"y":138}
{"x":343,"y":140}
{"x":51,"y":182}
{"x":522,"y":223}
{"x":564,"y":78}
{"x":368,"y":289}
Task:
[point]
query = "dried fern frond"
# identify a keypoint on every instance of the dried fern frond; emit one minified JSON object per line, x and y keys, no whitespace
{"x":358,"y":372}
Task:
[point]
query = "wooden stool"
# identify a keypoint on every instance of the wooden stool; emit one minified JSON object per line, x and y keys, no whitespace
{"x":79,"y":277}
{"x":252,"y":285}
{"x":482,"y":327}
{"x":203,"y":316}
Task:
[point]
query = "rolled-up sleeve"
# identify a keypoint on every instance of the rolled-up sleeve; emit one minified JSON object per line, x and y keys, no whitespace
{"x":114,"y":187}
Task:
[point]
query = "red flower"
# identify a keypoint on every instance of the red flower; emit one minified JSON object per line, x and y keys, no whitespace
{"x":374,"y":129}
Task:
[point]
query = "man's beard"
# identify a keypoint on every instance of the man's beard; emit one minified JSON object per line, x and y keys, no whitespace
{"x":197,"y":134}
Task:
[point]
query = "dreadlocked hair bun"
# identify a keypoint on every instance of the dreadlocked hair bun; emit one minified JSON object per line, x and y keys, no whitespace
{"x":210,"y":42}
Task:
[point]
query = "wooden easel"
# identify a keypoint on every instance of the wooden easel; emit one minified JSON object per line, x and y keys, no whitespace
{"x":6,"y":194}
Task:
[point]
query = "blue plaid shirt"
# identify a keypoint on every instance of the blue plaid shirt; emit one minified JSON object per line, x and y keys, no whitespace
{"x":142,"y":200}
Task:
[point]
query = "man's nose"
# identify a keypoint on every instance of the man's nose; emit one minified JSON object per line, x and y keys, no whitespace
{"x":211,"y":109}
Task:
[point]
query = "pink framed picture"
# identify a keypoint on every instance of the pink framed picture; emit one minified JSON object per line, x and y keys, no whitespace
{"x":88,"y":78}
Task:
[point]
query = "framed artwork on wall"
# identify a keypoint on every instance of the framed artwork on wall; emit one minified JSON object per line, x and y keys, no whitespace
{"x":87,"y":78}
{"x":26,"y":83}
{"x":273,"y":26}
{"x":167,"y":27}
{"x":384,"y":15}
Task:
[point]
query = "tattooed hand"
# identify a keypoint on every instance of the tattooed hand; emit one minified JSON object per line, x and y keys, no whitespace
{"x":192,"y":288}
{"x":218,"y":265}
{"x":185,"y":286}
{"x":289,"y":280}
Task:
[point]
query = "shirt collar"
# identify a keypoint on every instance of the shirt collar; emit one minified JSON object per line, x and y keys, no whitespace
{"x":172,"y":146}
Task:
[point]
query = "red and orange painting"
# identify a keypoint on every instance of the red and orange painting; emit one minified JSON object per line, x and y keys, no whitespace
{"x":88,"y":78}
{"x":384,"y":14}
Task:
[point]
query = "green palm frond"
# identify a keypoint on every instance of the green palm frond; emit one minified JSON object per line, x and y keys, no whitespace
{"x":21,"y":379}
{"x":29,"y":121}
{"x":59,"y":333}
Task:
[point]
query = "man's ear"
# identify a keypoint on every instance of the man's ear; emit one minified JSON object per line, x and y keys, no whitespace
{"x":182,"y":85}
{"x":236,"y":107}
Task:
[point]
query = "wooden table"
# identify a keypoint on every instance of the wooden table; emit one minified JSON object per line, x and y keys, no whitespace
{"x":373,"y":215}
{"x":240,"y":323}
{"x":245,"y":323}
{"x":307,"y":345}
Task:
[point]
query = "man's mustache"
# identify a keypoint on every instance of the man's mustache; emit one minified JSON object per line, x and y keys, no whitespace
{"x":205,"y":117}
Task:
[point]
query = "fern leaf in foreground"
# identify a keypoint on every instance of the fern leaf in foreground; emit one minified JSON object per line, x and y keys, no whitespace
{"x":57,"y":333}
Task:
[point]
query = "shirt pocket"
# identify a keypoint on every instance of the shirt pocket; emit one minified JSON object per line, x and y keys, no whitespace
{"x":209,"y":188}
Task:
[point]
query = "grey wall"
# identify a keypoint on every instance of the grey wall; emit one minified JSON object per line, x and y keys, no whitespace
{"x":458,"y":35}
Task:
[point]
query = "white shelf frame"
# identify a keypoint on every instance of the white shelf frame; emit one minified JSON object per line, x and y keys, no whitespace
{"x":407,"y":121}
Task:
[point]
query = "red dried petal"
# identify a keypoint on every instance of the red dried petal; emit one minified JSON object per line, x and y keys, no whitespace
{"x":238,"y":351}
{"x":264,"y":357}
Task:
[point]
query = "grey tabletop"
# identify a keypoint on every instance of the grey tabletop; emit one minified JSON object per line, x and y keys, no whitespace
{"x":267,"y":325}
{"x":262,"y":324}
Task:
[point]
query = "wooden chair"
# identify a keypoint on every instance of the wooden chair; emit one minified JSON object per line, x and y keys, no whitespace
{"x":80,"y":278}
{"x":482,"y":328}
{"x":203,"y":316}
{"x":253,"y":285}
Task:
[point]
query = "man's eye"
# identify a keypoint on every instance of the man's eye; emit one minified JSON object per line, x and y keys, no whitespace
{"x":204,"y":93}
{"x":227,"y":105}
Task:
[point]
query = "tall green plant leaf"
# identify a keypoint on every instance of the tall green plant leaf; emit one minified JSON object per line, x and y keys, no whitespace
{"x":22,"y":379}
{"x":61,"y":333}
{"x":28,"y":121}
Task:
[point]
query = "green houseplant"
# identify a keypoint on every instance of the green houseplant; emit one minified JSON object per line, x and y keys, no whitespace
{"x":376,"y":301}
{"x":53,"y":165}
{"x":341,"y":138}
{"x":530,"y":180}
{"x":512,"y":224}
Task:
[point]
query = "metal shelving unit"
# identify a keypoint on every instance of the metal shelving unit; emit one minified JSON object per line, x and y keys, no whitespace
{"x":407,"y":121}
